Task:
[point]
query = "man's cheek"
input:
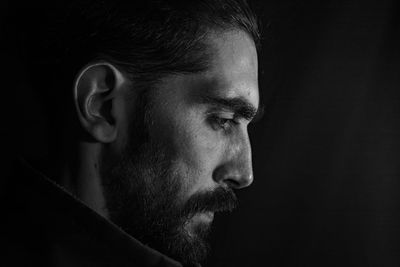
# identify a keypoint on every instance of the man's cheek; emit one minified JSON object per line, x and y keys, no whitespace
{"x":201,"y":154}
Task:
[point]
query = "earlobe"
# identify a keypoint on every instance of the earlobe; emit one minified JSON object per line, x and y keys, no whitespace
{"x":96,"y":89}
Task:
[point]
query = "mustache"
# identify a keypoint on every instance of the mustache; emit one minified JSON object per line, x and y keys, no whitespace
{"x":217,"y":200}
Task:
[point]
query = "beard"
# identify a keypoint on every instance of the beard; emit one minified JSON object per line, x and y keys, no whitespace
{"x":143,"y":195}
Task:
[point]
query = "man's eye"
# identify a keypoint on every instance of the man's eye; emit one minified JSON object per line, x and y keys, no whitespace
{"x":223,"y":123}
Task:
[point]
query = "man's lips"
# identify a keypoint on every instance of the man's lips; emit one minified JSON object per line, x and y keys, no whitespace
{"x":204,"y":205}
{"x":207,"y":216}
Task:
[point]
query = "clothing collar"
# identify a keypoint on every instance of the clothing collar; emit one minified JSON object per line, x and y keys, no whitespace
{"x":70,"y":220}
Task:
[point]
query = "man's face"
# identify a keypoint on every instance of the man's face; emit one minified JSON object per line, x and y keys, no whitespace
{"x":185,"y":151}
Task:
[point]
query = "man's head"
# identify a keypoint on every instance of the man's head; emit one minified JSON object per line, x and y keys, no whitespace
{"x":163,"y":93}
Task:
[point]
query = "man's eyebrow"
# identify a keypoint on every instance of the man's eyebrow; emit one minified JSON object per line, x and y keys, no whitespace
{"x":240,"y":106}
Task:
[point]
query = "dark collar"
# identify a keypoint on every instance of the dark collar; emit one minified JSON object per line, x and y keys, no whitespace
{"x":73,"y":232}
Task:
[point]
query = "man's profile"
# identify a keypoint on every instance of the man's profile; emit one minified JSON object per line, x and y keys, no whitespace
{"x":159,"y":95}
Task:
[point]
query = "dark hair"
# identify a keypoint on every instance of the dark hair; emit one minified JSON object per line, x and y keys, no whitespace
{"x":146,"y":39}
{"x":152,"y":38}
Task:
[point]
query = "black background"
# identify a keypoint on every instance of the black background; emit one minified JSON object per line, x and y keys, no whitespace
{"x":326,"y":154}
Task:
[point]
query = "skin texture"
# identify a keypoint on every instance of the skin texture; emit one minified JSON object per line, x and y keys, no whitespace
{"x":208,"y":151}
{"x":162,"y":170}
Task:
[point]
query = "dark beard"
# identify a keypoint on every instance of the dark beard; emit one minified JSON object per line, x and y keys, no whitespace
{"x":142,"y":196}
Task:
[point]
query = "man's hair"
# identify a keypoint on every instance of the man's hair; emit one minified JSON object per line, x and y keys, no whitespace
{"x":153,"y":38}
{"x":146,"y":39}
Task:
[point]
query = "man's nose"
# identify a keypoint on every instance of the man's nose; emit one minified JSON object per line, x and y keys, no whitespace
{"x":237,"y":171}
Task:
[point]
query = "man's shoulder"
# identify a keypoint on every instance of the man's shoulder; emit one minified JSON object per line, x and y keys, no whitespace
{"x":44,"y":224}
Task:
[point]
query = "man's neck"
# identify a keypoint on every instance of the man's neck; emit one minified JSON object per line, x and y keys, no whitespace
{"x":81,"y":177}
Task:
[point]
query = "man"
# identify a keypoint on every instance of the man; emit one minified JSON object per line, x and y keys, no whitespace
{"x":156,"y":138}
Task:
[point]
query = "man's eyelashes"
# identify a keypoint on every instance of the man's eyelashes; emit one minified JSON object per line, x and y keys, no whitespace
{"x":225,"y":123}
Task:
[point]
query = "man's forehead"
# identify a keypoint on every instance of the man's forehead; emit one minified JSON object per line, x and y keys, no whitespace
{"x":233,"y":71}
{"x":235,"y":48}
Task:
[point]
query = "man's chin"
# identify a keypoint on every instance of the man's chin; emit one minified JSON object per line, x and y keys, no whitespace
{"x":193,"y":246}
{"x":198,"y":227}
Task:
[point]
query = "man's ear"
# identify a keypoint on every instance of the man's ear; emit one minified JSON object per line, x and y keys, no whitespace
{"x":96,"y":90}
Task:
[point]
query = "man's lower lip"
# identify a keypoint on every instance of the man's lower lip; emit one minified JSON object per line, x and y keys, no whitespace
{"x":205,"y":217}
{"x":208,"y":216}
